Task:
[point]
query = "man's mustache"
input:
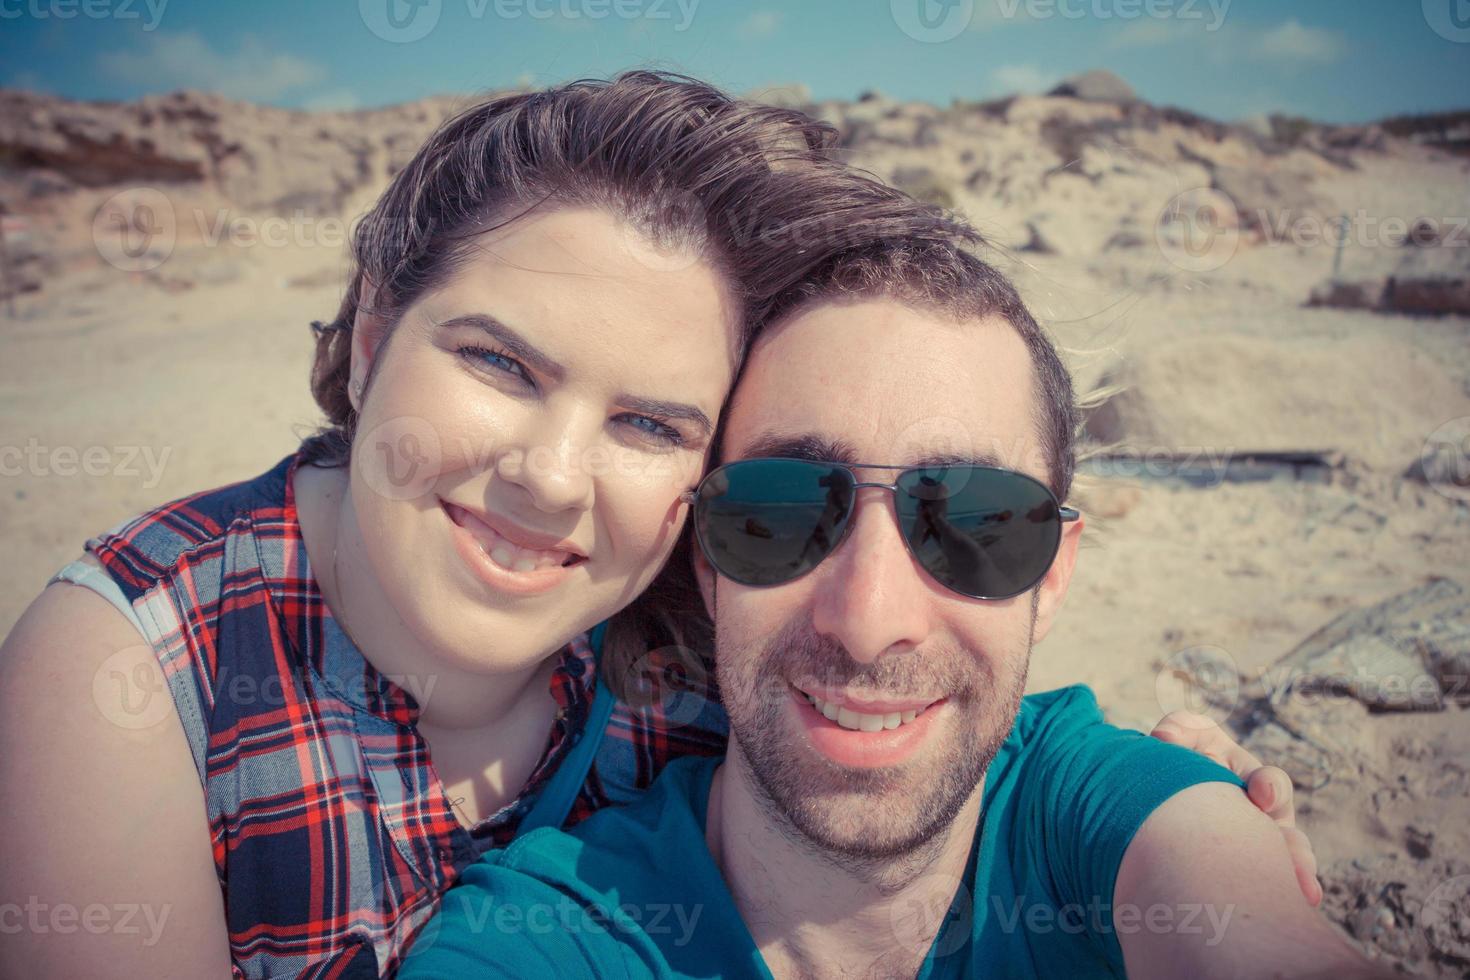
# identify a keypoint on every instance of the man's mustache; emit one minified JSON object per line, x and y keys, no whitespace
{"x":798,"y":656}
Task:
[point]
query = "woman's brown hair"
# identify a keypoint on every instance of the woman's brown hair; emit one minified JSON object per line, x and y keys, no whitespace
{"x":754,"y":189}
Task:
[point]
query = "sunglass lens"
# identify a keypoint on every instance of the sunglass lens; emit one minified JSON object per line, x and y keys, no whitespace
{"x":986,"y":533}
{"x":768,"y":521}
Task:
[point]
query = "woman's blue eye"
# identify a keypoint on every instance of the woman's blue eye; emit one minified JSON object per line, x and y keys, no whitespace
{"x":655,"y":428}
{"x":497,"y":360}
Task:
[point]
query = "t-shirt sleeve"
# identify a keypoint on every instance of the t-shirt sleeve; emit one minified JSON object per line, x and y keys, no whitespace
{"x":500,"y":922}
{"x":1095,"y":786}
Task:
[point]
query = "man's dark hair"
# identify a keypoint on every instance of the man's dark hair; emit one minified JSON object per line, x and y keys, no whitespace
{"x":945,"y":277}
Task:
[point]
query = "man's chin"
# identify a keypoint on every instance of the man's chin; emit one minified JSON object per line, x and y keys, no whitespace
{"x":869,"y":813}
{"x":869,"y":826}
{"x":863,"y":813}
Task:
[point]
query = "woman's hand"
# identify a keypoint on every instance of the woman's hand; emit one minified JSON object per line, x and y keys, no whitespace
{"x":1269,"y":787}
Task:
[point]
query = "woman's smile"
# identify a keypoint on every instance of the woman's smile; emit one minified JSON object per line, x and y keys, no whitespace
{"x":510,"y":558}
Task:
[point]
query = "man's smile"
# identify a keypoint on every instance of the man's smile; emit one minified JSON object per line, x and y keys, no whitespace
{"x":886,"y":733}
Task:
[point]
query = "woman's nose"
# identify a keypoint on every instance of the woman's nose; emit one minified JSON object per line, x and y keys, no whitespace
{"x":549,"y":462}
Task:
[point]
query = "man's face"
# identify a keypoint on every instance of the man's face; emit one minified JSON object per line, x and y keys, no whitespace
{"x":868,"y":630}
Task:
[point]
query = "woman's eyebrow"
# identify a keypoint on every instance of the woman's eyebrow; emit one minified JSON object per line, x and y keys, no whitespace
{"x":673,"y":410}
{"x":513,"y":343}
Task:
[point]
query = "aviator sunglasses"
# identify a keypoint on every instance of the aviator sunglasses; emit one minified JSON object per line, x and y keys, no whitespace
{"x":981,"y":531}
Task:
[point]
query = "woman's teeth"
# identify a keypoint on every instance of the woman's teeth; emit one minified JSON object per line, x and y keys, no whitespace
{"x":858,"y":721}
{"x":512,"y":556}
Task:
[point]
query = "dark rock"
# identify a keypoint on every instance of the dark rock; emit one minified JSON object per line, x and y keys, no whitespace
{"x":1097,"y":85}
{"x":1359,"y":295}
{"x":1401,"y":654}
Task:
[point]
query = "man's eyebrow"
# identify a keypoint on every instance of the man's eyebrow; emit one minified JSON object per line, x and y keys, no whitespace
{"x":514,"y":344}
{"x":825,"y":449}
{"x":978,"y":458}
{"x":673,"y":410}
{"x":805,"y":446}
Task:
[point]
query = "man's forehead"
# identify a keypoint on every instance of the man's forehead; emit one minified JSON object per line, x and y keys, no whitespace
{"x":828,"y":447}
{"x":881,"y":382}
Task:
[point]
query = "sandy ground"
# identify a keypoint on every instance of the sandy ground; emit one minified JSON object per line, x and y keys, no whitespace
{"x":122,"y":390}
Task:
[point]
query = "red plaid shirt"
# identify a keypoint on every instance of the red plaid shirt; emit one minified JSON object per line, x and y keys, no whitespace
{"x":333,"y":838}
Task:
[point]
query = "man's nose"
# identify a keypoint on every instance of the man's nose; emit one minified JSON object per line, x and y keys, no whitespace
{"x":870,"y":595}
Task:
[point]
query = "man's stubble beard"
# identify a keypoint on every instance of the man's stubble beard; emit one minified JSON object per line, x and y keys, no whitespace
{"x":883,"y":826}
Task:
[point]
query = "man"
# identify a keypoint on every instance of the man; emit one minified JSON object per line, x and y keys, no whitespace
{"x":881,"y":551}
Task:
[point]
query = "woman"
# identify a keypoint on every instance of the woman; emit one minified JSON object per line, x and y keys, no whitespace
{"x":375,"y":658}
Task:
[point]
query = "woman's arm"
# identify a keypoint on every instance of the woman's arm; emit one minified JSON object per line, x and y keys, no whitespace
{"x":1268,"y":787}
{"x":106,"y":853}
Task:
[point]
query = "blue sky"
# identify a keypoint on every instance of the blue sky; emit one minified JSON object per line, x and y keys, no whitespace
{"x":1334,"y":60}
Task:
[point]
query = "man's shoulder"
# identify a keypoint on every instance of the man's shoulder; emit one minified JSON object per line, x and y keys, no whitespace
{"x":623,"y":893}
{"x":1053,"y":720}
{"x":617,"y":842}
{"x":1063,"y":734}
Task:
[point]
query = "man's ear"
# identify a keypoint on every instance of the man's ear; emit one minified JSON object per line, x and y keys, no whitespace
{"x":369,"y":327}
{"x":1053,"y":589}
{"x":705,"y":576}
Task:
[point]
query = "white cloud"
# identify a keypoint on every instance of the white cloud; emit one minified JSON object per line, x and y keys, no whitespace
{"x":1292,"y":41}
{"x":335,"y":100}
{"x":1147,"y":33}
{"x":991,"y":14}
{"x":1021,"y":78}
{"x":761,"y":23}
{"x":185,"y":60}
{"x":1289,"y":44}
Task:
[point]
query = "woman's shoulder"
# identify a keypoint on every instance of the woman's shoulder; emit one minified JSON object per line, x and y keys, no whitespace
{"x":147,"y":549}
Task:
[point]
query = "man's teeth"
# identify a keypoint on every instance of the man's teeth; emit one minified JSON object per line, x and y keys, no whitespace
{"x":860,"y":722}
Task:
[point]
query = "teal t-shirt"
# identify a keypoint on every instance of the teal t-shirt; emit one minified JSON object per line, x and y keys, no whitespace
{"x":634,"y":892}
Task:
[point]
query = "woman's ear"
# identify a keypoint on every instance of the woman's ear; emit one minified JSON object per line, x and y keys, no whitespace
{"x":369,"y":327}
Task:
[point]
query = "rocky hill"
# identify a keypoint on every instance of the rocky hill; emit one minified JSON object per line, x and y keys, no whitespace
{"x":1083,"y":172}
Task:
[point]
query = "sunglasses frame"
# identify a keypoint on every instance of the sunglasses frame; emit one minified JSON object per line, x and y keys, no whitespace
{"x":1065,"y":514}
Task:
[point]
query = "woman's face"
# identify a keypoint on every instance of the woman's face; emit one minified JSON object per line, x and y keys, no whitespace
{"x":527,"y":429}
